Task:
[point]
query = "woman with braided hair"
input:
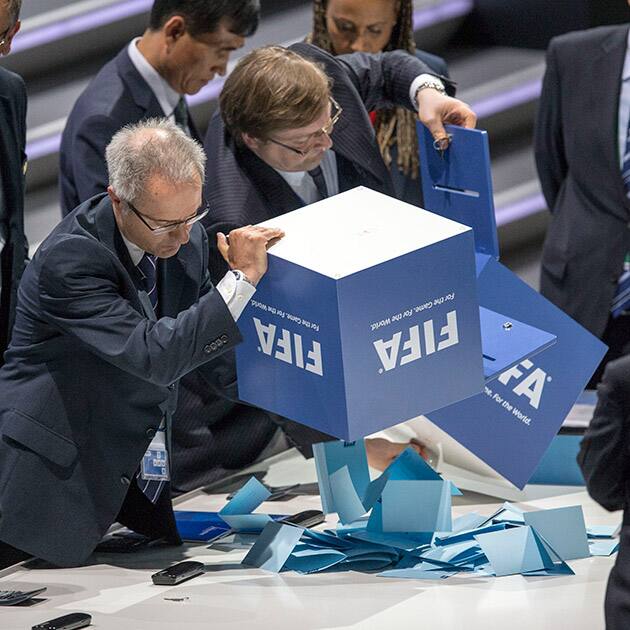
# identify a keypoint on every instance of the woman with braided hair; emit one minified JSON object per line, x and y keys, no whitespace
{"x":372,"y":26}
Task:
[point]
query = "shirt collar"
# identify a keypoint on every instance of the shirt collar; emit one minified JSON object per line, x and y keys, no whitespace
{"x":166,"y":96}
{"x":135,"y":253}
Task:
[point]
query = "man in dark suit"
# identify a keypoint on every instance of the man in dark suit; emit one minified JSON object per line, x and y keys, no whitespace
{"x":294,"y":127}
{"x":13,"y":245}
{"x":115,"y":307}
{"x":605,"y":461}
{"x":187,"y":43}
{"x":582,"y":155}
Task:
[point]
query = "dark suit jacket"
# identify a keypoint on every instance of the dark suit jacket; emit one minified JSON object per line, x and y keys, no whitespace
{"x":13,"y":245}
{"x":88,"y":375}
{"x":116,"y":96}
{"x":605,"y":461}
{"x":578,"y":164}
{"x":242,"y":189}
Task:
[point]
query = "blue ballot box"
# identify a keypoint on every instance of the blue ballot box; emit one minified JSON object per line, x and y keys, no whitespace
{"x":367,"y":316}
{"x":511,"y":424}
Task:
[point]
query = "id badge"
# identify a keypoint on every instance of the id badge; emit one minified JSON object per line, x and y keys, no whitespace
{"x":155,"y":461}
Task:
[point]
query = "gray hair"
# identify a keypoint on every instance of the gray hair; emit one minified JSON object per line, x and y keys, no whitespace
{"x":13,"y":7}
{"x":155,"y":147}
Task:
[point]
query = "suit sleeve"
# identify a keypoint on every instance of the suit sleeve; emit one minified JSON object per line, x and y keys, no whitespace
{"x":383,"y":80}
{"x":79,"y":295}
{"x":88,"y":156}
{"x":548,"y":135}
{"x":604,"y":451}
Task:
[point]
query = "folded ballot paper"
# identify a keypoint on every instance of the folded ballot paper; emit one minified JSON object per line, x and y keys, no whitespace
{"x":400,"y":525}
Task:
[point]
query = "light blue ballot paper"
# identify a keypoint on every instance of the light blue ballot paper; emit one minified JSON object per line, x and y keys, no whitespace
{"x":309,"y":560}
{"x":330,"y":457}
{"x":273,"y":547}
{"x":513,"y":551}
{"x":603,"y":547}
{"x":409,"y":465}
{"x":416,"y":506}
{"x":247,"y":499}
{"x":563,"y":529}
{"x":237,"y":512}
{"x":347,"y":503}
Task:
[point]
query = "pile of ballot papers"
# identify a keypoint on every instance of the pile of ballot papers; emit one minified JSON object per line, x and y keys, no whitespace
{"x":400,"y":525}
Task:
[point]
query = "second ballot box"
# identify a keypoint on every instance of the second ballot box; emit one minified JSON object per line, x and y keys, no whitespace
{"x":368,"y":316}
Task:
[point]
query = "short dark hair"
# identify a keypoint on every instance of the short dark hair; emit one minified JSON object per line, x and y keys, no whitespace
{"x":203,"y":16}
{"x":14,"y":7}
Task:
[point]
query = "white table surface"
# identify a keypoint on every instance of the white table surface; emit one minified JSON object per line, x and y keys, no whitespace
{"x":117,"y":590}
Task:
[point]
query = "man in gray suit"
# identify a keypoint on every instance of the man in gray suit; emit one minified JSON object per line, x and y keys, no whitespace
{"x":115,"y":307}
{"x":582,"y":156}
{"x":13,"y":245}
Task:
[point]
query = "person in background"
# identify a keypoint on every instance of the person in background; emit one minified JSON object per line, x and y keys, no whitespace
{"x":13,"y":244}
{"x":342,"y":27}
{"x":187,"y":43}
{"x":582,"y":149}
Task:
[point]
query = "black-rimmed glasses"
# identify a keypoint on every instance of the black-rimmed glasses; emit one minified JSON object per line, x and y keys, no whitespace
{"x":327,"y":129}
{"x":174,"y":225}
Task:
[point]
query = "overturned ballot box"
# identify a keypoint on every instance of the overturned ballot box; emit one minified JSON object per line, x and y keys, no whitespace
{"x":367,"y":316}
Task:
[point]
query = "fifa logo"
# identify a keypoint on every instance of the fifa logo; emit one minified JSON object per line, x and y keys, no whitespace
{"x":416,"y":341}
{"x":288,"y":347}
{"x":530,"y":384}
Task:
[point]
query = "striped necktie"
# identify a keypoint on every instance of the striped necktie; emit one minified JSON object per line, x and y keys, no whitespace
{"x":147,"y":266}
{"x":621,"y":300}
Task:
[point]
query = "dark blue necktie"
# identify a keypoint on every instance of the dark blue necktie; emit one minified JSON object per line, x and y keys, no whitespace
{"x":147,"y":266}
{"x":180,"y":113}
{"x":320,"y":181}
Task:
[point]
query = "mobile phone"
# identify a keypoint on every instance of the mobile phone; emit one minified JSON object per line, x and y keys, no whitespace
{"x":307,"y":518}
{"x":178,"y":573}
{"x":73,"y":621}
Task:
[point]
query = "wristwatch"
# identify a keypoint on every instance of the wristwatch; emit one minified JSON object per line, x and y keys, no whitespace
{"x":239,"y":275}
{"x":434,"y":84}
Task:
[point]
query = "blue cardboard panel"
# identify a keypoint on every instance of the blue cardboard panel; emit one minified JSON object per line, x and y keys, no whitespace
{"x":512,"y":423}
{"x":458,"y":184}
{"x":506,"y":341}
{"x":290,"y":360}
{"x":406,"y":327}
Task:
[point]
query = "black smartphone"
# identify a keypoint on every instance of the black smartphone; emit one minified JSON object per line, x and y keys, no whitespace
{"x":307,"y":518}
{"x":73,"y":621}
{"x":178,"y":573}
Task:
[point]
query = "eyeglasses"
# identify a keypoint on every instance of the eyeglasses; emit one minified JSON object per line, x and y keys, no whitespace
{"x":327,"y":129}
{"x":169,"y":227}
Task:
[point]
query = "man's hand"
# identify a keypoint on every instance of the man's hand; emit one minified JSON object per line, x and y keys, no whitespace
{"x":381,"y":452}
{"x":436,"y":110}
{"x":246,"y":248}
